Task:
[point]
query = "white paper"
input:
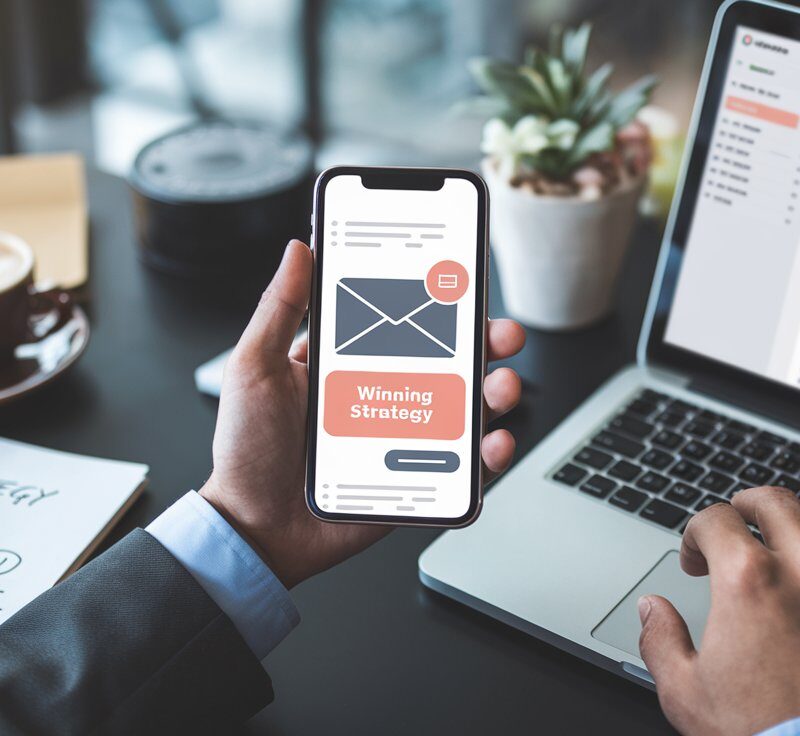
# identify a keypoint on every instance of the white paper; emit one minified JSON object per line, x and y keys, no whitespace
{"x":208,"y":377}
{"x":53,"y":506}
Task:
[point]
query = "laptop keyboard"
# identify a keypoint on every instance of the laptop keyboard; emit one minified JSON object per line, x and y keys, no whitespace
{"x":665,"y":459}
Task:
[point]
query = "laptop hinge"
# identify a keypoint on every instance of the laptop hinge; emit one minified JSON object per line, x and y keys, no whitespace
{"x":767,"y":407}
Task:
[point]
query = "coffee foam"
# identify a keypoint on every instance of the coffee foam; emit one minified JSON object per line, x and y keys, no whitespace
{"x":15,"y":262}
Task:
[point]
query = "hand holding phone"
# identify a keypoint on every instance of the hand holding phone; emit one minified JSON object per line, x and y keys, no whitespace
{"x":259,"y":453}
{"x":397,"y":346}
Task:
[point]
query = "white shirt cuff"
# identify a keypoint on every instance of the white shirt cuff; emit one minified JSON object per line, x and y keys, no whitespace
{"x":229,"y":570}
{"x":787,"y":728}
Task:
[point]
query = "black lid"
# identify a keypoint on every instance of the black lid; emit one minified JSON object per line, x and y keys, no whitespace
{"x":221,"y":161}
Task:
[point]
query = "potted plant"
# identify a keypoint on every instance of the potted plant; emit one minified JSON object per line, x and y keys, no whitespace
{"x":566,"y":162}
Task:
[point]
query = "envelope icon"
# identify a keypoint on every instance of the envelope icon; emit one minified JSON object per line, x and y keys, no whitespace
{"x":395,"y":317}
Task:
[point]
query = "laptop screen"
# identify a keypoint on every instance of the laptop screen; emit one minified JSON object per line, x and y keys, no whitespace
{"x":737,"y":297}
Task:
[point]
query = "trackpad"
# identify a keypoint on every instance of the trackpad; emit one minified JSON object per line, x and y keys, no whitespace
{"x":691,"y":596}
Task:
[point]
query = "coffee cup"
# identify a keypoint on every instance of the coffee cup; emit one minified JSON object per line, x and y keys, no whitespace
{"x":27,"y":314}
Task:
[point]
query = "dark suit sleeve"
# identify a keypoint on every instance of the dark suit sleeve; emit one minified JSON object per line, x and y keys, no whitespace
{"x":129,"y":644}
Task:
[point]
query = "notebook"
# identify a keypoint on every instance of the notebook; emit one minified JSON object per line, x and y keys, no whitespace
{"x":55,"y":508}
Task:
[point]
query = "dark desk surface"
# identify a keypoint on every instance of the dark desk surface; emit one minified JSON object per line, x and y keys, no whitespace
{"x":376,"y":652}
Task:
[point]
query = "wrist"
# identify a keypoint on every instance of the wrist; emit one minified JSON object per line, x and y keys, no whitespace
{"x":278,"y":561}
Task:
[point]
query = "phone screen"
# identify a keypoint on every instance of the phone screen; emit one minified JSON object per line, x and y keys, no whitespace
{"x":398,"y":345}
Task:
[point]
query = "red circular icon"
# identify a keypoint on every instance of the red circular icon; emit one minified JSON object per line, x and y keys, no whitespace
{"x":447,"y":282}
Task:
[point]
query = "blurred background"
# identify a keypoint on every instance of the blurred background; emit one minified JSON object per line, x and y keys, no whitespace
{"x":371,"y":81}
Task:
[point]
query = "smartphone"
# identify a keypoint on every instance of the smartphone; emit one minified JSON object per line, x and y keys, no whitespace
{"x":397,"y":346}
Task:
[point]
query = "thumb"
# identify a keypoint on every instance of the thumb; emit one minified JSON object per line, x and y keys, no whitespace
{"x":273,"y":325}
{"x":665,"y":644}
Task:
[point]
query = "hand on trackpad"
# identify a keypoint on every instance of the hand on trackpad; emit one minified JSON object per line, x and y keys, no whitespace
{"x":691,"y":596}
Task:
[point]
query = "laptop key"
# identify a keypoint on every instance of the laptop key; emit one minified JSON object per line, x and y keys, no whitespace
{"x":663,"y":513}
{"x":697,"y":428}
{"x":670,"y":418}
{"x":696,"y":450}
{"x":740,"y":427}
{"x":667,"y":439}
{"x":682,"y":407}
{"x":628,"y":498}
{"x":653,"y":397}
{"x":711,"y":417}
{"x":623,"y":470}
{"x":657,"y":459}
{"x":682,"y":493}
{"x":727,"y":439}
{"x":756,"y":474}
{"x":758,"y":451}
{"x":653,"y":482}
{"x":726,"y":462}
{"x":715,"y":482}
{"x":593,"y":458}
{"x":772,"y":439}
{"x":685,"y":470}
{"x":786,"y":462}
{"x":570,"y":474}
{"x":787,"y":481}
{"x":630,"y":425}
{"x":598,"y":486}
{"x":708,"y":500}
{"x":616,"y":443}
{"x":641,"y":407}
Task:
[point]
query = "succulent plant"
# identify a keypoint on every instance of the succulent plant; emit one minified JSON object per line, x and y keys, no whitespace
{"x":549,"y":116}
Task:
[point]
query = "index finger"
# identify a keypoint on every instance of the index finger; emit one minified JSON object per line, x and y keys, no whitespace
{"x":712,"y":538}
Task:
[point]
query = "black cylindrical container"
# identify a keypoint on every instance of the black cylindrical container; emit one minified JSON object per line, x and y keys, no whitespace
{"x":220,"y":200}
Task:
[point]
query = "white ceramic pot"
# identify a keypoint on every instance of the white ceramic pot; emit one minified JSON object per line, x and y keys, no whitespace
{"x":558,"y":257}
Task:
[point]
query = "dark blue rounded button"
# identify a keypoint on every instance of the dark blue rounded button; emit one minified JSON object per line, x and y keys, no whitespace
{"x":422,"y":461}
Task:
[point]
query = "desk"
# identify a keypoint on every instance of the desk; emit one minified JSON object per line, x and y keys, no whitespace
{"x":376,"y":652}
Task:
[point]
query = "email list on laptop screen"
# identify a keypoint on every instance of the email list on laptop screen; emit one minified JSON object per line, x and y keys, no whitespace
{"x":737,"y":298}
{"x":396,"y":358}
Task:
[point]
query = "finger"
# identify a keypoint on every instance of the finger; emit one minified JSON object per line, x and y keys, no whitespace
{"x":502,"y":390}
{"x":776,"y":513}
{"x":282,"y":307}
{"x":506,"y":338}
{"x":299,"y":349}
{"x":497,"y":450}
{"x":712,"y":537}
{"x":666,"y":647}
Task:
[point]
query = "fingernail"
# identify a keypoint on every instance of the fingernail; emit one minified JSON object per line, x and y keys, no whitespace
{"x":644,"y":605}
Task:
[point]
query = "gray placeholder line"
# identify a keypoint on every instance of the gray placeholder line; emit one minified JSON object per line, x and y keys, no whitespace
{"x":348,"y":497}
{"x":423,"y":500}
{"x":430,"y":236}
{"x":405,"y":508}
{"x":364,"y":245}
{"x":367,"y":487}
{"x":351,"y":223}
{"x":379,"y":235}
{"x":413,"y":245}
{"x":351,"y":507}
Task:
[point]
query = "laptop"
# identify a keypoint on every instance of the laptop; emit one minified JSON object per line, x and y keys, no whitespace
{"x":592,"y":517}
